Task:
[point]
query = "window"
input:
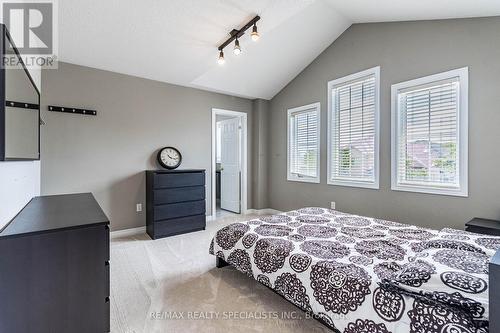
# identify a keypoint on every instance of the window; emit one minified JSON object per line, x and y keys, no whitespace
{"x":429,"y":134}
{"x":353,"y":130}
{"x":303,"y":143}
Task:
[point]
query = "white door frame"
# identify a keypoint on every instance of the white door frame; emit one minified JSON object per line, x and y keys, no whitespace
{"x":244,"y":157}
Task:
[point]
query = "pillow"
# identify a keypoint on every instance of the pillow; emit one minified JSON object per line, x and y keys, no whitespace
{"x":450,"y":270}
{"x":490,"y":244}
{"x":453,"y":277}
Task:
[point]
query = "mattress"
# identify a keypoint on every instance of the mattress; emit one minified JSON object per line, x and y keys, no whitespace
{"x":364,"y":275}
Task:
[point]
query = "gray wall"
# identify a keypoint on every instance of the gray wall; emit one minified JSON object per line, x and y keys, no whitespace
{"x":107,"y":154}
{"x":404,"y":50}
{"x":260,"y":153}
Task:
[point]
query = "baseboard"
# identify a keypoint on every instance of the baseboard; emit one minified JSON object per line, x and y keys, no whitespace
{"x":128,"y":232}
{"x":264,"y":211}
{"x":142,"y":230}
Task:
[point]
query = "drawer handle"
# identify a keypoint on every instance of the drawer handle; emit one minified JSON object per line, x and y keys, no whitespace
{"x":106,"y":300}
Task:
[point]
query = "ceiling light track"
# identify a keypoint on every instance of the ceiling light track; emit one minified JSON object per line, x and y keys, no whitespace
{"x":235,"y":35}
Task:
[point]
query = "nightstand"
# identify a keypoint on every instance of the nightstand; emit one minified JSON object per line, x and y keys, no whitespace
{"x":483,"y":226}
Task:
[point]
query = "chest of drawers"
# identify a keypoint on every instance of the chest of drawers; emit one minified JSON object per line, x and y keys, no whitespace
{"x":483,"y":226}
{"x":54,"y":267}
{"x":175,"y":202}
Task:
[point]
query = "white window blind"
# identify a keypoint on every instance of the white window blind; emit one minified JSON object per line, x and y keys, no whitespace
{"x":428,"y":138}
{"x":303,"y":143}
{"x":354,"y":130}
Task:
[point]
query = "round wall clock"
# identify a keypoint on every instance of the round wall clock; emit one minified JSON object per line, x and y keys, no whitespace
{"x":169,"y":158}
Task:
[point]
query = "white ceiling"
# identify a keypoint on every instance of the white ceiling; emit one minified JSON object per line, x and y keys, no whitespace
{"x":176,"y":41}
{"x":361,"y":11}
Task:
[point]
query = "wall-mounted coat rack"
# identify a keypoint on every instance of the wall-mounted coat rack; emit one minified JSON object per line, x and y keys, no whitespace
{"x":72,"y":110}
{"x":22,"y":105}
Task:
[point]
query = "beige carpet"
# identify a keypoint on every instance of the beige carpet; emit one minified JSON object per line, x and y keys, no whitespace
{"x":171,"y":285}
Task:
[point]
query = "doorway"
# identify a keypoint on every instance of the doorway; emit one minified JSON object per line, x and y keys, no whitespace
{"x":229,"y":163}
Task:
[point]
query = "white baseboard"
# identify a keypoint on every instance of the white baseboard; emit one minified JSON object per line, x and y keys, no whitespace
{"x":142,"y":230}
{"x":128,"y":232}
{"x":264,"y":211}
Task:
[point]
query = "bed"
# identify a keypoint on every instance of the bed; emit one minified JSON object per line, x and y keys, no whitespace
{"x":364,"y":275}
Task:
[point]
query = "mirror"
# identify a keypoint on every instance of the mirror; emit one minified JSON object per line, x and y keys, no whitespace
{"x":21,"y":109}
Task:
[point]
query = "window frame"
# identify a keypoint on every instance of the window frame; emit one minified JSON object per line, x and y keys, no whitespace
{"x":463,"y":133}
{"x":375,"y":71}
{"x":294,"y":177}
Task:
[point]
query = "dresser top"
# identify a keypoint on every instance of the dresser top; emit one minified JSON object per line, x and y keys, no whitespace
{"x":483,"y":223}
{"x":56,"y":212}
{"x":177,"y":171}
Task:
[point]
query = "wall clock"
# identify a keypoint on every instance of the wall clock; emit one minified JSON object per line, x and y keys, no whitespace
{"x":169,"y":158}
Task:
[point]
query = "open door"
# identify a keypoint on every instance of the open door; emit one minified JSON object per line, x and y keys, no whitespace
{"x":230,"y":165}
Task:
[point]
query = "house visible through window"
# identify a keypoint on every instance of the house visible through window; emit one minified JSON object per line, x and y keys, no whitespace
{"x":303,"y":143}
{"x":430,"y":134}
{"x":353,"y":130}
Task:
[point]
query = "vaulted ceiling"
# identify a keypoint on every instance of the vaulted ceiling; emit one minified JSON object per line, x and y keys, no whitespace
{"x":176,"y":41}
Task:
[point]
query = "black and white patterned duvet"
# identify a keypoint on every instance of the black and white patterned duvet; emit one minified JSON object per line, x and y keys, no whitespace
{"x":365,"y":275}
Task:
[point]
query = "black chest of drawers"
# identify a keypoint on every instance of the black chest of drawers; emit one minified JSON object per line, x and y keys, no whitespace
{"x":175,"y":202}
{"x":54,"y":267}
{"x":483,"y":226}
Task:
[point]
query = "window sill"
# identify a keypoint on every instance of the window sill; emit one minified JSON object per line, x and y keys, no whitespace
{"x":430,"y":190}
{"x":303,"y":180}
{"x":336,"y":182}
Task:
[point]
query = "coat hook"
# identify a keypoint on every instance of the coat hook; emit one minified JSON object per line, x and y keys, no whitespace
{"x":71,"y":110}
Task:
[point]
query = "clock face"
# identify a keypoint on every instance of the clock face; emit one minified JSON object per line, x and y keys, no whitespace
{"x":169,"y":158}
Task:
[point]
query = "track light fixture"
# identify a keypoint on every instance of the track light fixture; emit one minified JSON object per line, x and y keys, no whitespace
{"x":235,"y":35}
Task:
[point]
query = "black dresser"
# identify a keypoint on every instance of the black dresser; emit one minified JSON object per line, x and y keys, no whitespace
{"x":54,"y":267}
{"x":175,"y":202}
{"x":483,"y":226}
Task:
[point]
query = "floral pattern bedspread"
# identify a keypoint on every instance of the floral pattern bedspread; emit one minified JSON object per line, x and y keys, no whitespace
{"x":365,"y":275}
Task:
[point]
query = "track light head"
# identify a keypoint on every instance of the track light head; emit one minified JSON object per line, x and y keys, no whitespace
{"x":221,"y":59}
{"x":255,"y":34}
{"x":237,"y":48}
